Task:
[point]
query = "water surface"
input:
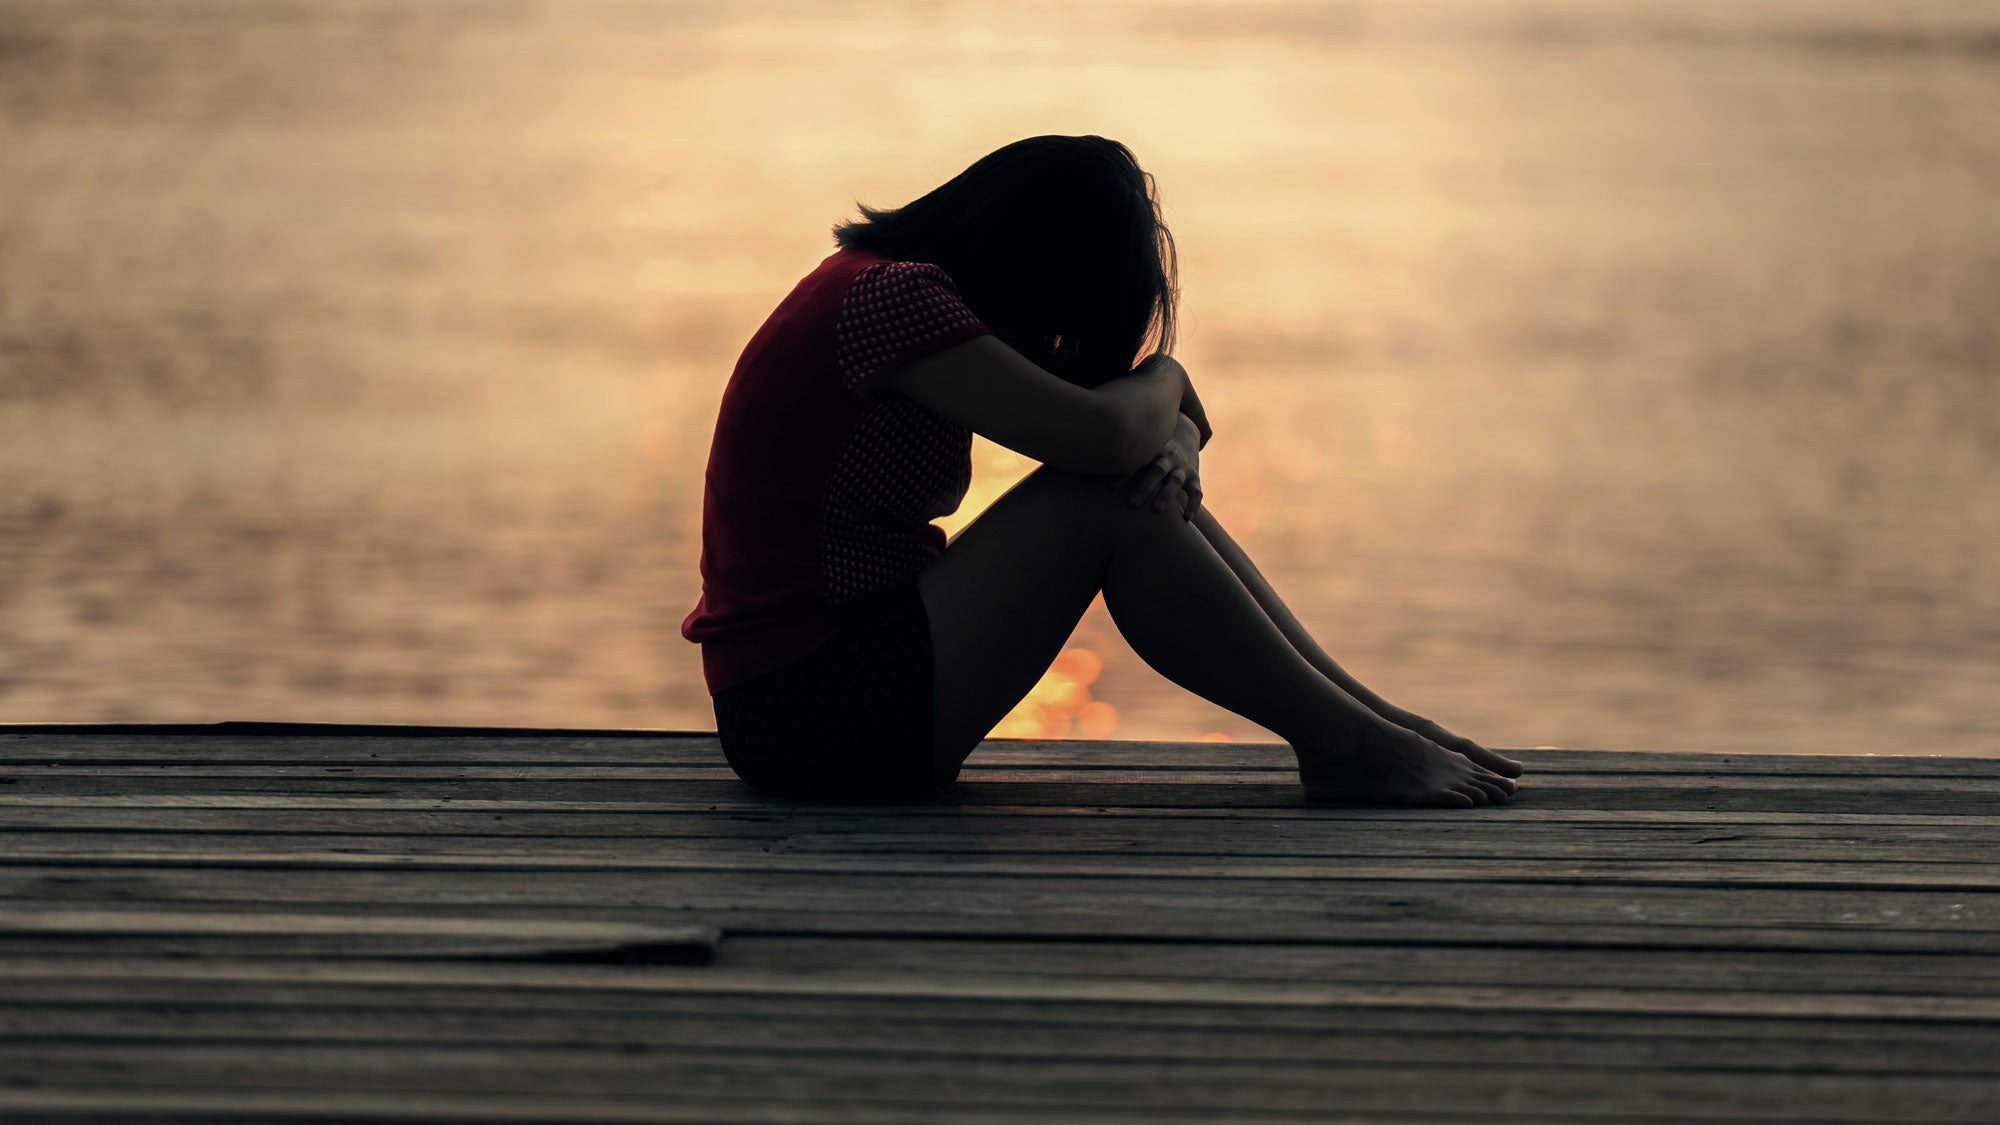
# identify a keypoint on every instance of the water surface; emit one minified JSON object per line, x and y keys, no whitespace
{"x":1590,"y":374}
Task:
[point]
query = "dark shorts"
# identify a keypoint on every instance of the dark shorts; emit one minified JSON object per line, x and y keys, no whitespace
{"x":851,"y":721}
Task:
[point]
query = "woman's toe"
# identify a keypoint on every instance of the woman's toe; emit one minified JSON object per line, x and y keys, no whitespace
{"x":1498,"y":763}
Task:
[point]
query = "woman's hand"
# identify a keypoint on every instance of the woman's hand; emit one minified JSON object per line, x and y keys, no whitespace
{"x":1173,"y":473}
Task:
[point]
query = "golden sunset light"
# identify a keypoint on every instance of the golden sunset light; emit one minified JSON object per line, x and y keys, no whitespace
{"x":994,"y":562}
{"x":1616,"y":371}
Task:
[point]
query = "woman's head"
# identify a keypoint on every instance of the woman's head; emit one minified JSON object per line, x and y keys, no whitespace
{"x":1056,"y":242}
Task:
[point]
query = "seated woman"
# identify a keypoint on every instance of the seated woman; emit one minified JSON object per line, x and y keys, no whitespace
{"x":852,"y":653}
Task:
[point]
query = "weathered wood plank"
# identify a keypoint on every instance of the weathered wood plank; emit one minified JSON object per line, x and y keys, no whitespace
{"x":1937,"y":798}
{"x":760,"y":858}
{"x":747,"y":806}
{"x":418,"y":832}
{"x":1227,"y":788}
{"x":341,"y":1107}
{"x":1075,"y":931}
{"x":1135,"y":924}
{"x":981,"y":834}
{"x":1276,"y":756}
{"x":1327,"y":893}
{"x":877,"y":1030}
{"x":52,"y":774}
{"x":1652,"y":1029}
{"x":350,"y":935}
{"x":1481,"y":967}
{"x":155,"y":1106}
{"x":1324,"y":910}
{"x":1472,"y":966}
{"x":993,"y":768}
{"x":1040,"y":999}
{"x":1035,"y":998}
{"x":1441,"y":1086}
{"x":583,"y":749}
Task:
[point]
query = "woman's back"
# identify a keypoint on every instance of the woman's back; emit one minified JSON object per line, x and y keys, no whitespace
{"x":818,"y":491}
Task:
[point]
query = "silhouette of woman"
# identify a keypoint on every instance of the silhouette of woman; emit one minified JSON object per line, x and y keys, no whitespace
{"x":852,"y":653}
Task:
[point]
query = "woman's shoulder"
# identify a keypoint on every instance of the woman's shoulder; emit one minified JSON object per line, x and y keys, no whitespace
{"x":824,"y":288}
{"x":860,"y":285}
{"x":848,"y":264}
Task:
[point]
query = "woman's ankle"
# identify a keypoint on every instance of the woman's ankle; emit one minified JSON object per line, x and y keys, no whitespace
{"x":1353,"y":734}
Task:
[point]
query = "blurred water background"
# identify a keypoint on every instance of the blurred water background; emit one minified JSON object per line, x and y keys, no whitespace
{"x":1618,"y":373}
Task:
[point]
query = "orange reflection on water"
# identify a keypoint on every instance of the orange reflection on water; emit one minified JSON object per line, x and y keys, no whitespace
{"x":1098,"y":719}
{"x":1061,"y":700}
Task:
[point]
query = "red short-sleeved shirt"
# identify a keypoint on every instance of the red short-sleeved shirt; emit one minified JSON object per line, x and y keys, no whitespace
{"x":817,"y":491}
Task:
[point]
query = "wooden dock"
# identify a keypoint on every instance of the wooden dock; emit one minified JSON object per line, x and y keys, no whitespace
{"x":241,"y":924}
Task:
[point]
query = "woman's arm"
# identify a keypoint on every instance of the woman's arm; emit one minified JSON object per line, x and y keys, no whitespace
{"x":995,"y":391}
{"x":1195,"y":412}
{"x":1174,"y":473}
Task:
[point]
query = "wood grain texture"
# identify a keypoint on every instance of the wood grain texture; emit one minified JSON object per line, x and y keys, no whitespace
{"x":1208,"y":791}
{"x":293,"y":923}
{"x":1059,"y":1085}
{"x":336,"y":745}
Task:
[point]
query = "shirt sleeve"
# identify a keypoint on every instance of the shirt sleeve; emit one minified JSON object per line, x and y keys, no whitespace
{"x":895,"y":313}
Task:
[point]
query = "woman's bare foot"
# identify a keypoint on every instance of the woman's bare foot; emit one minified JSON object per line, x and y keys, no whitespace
{"x":1395,"y":766}
{"x":1459,"y":744}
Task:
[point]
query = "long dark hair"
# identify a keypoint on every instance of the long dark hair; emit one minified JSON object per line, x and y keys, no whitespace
{"x":1055,"y":242}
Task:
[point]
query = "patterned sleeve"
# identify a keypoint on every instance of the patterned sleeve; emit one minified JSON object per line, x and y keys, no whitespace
{"x":895,"y":313}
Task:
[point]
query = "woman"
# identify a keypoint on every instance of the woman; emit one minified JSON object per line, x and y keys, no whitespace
{"x":851,"y":653}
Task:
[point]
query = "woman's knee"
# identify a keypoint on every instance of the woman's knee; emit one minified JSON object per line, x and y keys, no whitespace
{"x":1052,"y":479}
{"x":1092,"y":498}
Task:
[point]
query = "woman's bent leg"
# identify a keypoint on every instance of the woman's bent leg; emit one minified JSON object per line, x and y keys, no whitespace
{"x":1008,"y":592}
{"x":1301,"y":639}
